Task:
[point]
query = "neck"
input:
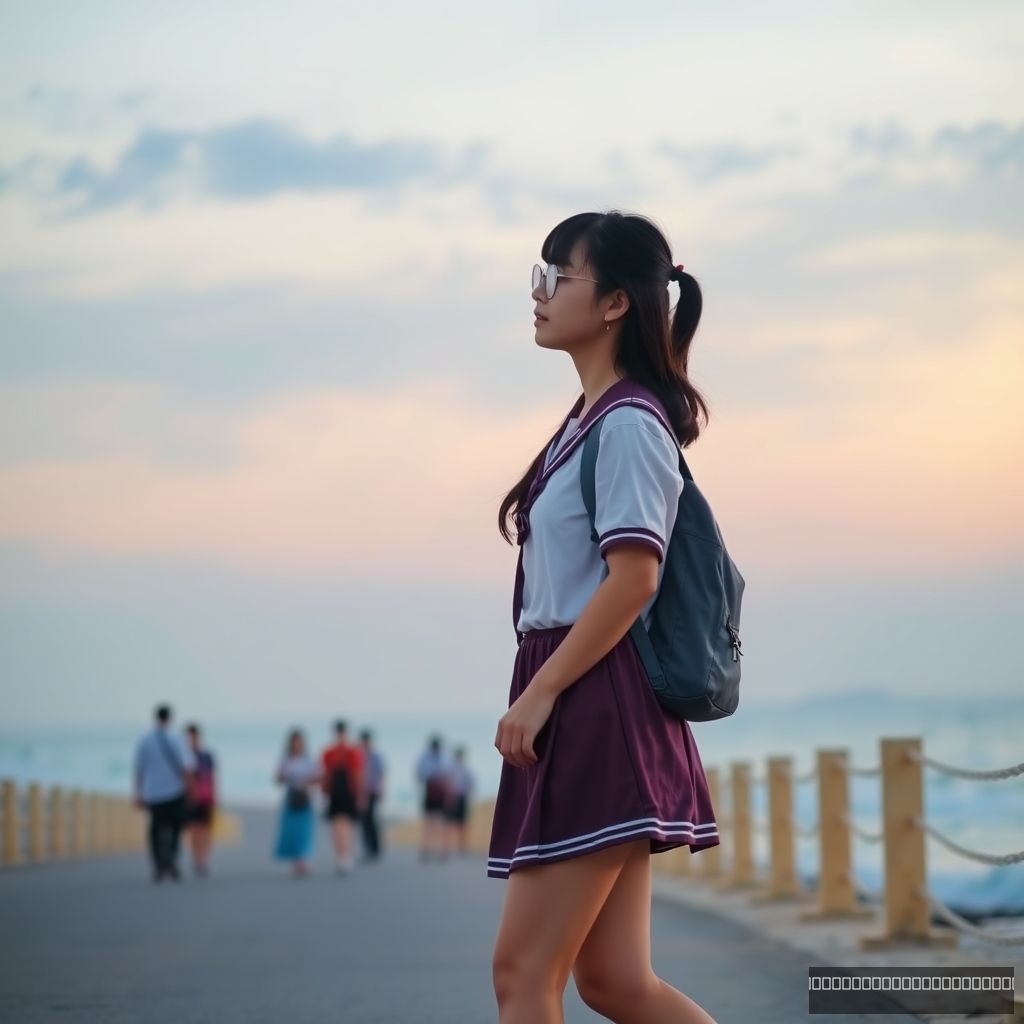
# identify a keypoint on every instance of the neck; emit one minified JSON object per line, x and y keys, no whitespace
{"x":595,"y":380}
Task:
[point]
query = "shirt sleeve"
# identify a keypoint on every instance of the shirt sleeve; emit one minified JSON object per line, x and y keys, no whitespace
{"x":638,"y":484}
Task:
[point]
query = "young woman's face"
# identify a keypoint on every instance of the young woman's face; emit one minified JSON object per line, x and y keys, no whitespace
{"x":570,"y":318}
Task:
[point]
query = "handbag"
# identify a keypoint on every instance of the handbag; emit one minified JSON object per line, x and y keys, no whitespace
{"x":691,"y":650}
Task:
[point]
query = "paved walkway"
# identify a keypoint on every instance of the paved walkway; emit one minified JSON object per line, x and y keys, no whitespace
{"x":395,"y":943}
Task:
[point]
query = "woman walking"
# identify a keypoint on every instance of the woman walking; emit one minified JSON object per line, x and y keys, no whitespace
{"x":596,"y":775}
{"x":202,"y":798}
{"x":432,"y":773}
{"x":298,"y":773}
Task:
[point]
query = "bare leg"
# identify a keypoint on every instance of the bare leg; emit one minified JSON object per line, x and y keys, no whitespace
{"x":548,"y":911}
{"x":613,"y":970}
{"x":201,"y":837}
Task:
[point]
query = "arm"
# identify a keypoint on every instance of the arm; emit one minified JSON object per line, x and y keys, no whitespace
{"x":632,"y":580}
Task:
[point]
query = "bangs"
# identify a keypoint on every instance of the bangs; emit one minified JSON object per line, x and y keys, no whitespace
{"x":562,"y":239}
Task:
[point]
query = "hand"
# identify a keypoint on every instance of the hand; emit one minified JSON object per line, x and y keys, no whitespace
{"x":518,"y":727}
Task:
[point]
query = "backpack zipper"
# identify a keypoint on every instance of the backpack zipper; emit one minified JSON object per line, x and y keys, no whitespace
{"x":734,"y":641}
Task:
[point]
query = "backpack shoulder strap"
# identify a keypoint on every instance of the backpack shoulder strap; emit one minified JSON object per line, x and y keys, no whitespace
{"x":588,"y":471}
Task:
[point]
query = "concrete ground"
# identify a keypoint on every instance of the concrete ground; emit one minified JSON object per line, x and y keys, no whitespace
{"x":397,"y":941}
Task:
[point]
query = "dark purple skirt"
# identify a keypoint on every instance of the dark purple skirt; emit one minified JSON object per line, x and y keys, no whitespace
{"x":613,"y":765}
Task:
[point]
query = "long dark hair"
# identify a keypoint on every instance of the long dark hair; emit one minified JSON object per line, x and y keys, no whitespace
{"x":630,"y":252}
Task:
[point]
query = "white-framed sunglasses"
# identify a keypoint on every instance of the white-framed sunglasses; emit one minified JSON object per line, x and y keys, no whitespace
{"x":550,"y":278}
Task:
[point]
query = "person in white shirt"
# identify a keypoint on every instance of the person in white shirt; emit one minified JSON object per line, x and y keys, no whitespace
{"x":164,"y":765}
{"x":432,"y":773}
{"x":460,"y":790}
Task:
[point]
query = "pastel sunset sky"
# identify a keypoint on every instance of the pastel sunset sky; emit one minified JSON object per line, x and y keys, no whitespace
{"x":267,"y":361}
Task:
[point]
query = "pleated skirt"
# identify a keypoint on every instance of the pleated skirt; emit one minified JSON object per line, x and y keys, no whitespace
{"x":613,"y":765}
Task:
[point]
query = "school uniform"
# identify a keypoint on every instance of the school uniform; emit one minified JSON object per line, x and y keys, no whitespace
{"x":613,"y":765}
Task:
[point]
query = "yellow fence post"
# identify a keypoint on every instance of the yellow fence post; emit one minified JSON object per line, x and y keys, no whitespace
{"x":94,"y":812}
{"x":11,"y":844}
{"x":837,"y":894}
{"x":77,"y":822}
{"x":36,"y":834}
{"x":710,"y":860}
{"x":742,"y":875}
{"x":782,"y":880}
{"x":58,"y":824}
{"x":124,"y":825}
{"x":906,"y":911}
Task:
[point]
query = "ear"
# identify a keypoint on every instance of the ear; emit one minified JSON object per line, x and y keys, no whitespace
{"x":618,"y":303}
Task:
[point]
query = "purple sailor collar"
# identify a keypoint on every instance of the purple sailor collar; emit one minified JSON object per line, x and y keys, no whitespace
{"x":623,"y":392}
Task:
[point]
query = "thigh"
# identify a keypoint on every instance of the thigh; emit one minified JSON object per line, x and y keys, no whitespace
{"x":550,"y":908}
{"x":617,"y":950}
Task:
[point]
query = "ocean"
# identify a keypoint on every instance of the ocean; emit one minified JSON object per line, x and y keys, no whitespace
{"x":970,"y":732}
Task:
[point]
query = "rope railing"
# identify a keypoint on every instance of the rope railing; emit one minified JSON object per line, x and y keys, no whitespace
{"x":967,"y":773}
{"x":868,"y":837}
{"x":963,"y":925}
{"x":902,"y":834}
{"x":983,"y":858}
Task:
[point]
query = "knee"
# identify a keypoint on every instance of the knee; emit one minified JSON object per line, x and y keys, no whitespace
{"x":613,"y":994}
{"x":514,"y":974}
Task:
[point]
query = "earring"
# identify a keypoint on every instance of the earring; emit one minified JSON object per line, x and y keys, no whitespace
{"x":607,"y":325}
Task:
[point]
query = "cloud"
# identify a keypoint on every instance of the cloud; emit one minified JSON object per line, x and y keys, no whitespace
{"x":78,"y":112}
{"x":255,"y":159}
{"x":709,"y":164}
{"x":885,"y":140}
{"x":981,"y":150}
{"x":991,"y":147}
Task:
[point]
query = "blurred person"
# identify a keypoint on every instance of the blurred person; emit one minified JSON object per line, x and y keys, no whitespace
{"x":297,"y":772}
{"x":342,"y":782}
{"x":456,"y":813}
{"x":597,"y":776}
{"x":374,"y":768}
{"x":164,"y":764}
{"x":201,"y":801}
{"x":432,"y":773}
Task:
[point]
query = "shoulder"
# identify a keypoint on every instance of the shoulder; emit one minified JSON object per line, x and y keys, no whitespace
{"x":639,"y":419}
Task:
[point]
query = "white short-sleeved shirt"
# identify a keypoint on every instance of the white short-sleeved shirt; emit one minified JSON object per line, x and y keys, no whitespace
{"x":160,"y":757}
{"x":637,"y":484}
{"x":431,"y":764}
{"x":460,"y":778}
{"x":298,"y":770}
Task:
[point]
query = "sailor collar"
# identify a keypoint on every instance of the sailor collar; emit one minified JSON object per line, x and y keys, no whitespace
{"x":624,"y":391}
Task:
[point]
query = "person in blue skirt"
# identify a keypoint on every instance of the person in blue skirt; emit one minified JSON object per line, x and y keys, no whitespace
{"x":596,"y":775}
{"x":298,"y":773}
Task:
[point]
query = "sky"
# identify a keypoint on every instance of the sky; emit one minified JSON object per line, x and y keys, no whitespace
{"x":267,"y":364}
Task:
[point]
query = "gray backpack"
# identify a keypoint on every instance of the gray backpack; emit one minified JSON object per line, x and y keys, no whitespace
{"x":692,"y":650}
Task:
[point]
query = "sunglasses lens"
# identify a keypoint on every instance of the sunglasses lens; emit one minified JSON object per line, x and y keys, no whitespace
{"x":537,"y":275}
{"x":552,"y":280}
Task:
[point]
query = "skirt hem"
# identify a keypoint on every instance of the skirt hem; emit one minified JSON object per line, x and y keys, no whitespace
{"x":663,"y":841}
